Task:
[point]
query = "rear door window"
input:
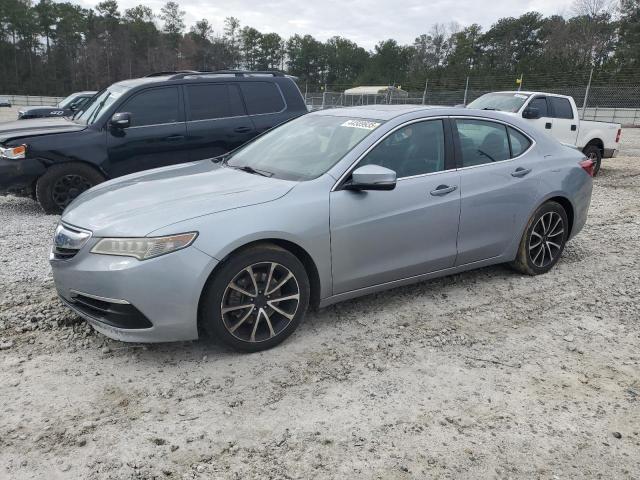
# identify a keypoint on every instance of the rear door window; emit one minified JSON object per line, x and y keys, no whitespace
{"x":154,"y":107}
{"x":561,"y":107}
{"x":482,"y":142}
{"x":215,"y":100}
{"x":262,"y":97}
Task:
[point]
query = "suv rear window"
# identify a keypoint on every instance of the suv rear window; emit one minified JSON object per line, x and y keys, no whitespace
{"x":210,"y":101}
{"x":561,"y":107}
{"x":262,"y":97}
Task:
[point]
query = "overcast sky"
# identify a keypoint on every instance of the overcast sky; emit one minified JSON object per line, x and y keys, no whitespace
{"x":364,"y":21}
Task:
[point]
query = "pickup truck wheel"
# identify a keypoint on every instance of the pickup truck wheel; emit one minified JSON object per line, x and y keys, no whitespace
{"x":61,"y":184}
{"x":593,"y":152}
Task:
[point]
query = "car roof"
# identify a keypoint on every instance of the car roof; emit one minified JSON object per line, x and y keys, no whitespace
{"x":530,"y":92}
{"x":389,"y":112}
{"x":380,"y":112}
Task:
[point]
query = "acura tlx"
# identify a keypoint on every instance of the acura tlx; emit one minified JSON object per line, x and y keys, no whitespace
{"x":329,"y":206}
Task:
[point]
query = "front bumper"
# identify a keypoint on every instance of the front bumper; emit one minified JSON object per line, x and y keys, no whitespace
{"x":19,"y":176}
{"x":126,"y":299}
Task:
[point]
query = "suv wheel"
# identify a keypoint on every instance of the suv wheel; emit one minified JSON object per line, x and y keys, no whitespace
{"x":543,"y":241}
{"x":256,"y":299}
{"x":61,"y":184}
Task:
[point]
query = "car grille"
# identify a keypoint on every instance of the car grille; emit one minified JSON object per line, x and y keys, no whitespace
{"x":68,"y":241}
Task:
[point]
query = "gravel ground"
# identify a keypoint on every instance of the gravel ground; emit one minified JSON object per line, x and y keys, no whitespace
{"x":487,"y":374}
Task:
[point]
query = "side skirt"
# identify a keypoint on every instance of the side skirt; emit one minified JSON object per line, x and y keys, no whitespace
{"x":325,"y":302}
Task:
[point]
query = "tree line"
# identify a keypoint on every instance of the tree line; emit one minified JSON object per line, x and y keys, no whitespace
{"x":51,"y":48}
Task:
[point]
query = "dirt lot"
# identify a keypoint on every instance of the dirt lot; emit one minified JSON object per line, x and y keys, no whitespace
{"x":483,"y":375}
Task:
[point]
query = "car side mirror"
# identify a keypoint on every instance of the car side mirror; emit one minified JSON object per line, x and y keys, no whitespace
{"x":372,"y":177}
{"x":531,"y":113}
{"x":121,"y":120}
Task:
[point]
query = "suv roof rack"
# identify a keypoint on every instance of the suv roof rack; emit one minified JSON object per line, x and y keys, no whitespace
{"x":170,"y":72}
{"x":237,"y":73}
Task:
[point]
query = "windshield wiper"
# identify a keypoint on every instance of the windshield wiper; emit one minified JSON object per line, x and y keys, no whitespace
{"x":487,"y":108}
{"x":248,"y":169}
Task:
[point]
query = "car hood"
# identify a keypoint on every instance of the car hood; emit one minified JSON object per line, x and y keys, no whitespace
{"x":40,"y":107}
{"x":37,"y":126}
{"x":138,"y":204}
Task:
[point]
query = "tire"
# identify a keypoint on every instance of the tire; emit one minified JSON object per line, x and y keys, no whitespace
{"x":62,"y":183}
{"x":254,"y":320}
{"x":550,"y":225}
{"x":594,"y":153}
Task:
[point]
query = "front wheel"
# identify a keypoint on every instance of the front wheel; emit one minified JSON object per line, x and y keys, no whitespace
{"x":543,"y":241}
{"x":256,"y":299}
{"x":62,"y":183}
{"x":593,"y":153}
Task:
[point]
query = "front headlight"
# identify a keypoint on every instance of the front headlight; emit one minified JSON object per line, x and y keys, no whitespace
{"x":13,"y":153}
{"x":144,"y":248}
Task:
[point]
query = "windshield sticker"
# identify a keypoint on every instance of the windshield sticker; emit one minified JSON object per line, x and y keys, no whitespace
{"x":364,"y":124}
{"x":519,"y":95}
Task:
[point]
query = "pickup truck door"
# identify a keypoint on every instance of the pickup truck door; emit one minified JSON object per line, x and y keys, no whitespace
{"x":565,"y":120}
{"x":545,"y":122}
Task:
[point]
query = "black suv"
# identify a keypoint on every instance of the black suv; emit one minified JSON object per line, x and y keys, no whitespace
{"x":134,"y":125}
{"x":67,"y":106}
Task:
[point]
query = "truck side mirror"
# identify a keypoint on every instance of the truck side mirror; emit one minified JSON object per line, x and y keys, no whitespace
{"x":531,"y":113}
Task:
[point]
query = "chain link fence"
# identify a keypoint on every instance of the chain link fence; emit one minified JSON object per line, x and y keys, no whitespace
{"x":614,"y":99}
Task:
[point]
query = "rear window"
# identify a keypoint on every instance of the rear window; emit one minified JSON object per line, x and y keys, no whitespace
{"x":561,"y":107}
{"x":211,"y":101}
{"x":262,"y":97}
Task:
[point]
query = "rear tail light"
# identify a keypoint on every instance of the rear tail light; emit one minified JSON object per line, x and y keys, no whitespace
{"x":587,"y":165}
{"x":618,"y":135}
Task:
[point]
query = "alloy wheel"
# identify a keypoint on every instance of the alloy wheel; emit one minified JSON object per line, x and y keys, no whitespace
{"x":67,"y":188}
{"x":547,"y":237}
{"x":260,"y":302}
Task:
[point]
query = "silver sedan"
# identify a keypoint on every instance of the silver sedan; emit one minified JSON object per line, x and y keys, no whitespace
{"x":330,"y":206}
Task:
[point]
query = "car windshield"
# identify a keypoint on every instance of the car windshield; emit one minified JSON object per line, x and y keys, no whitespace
{"x":65,"y":102}
{"x":304,"y":148}
{"x":99,"y":104}
{"x":505,"y":102}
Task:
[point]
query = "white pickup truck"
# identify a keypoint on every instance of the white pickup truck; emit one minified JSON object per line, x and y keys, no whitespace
{"x":558,"y":115}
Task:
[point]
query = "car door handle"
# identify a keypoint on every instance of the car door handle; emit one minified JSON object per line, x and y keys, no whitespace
{"x":547,"y":125}
{"x":174,"y":138}
{"x":242,"y":129}
{"x":443,"y":190}
{"x":574,"y":128}
{"x":521,"y":172}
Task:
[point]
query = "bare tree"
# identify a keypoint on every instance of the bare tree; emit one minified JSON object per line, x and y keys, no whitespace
{"x":593,"y":8}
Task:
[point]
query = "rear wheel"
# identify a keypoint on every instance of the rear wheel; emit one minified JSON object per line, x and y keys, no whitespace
{"x":543,"y":241}
{"x":256,"y":299}
{"x":593,"y":153}
{"x":61,"y":184}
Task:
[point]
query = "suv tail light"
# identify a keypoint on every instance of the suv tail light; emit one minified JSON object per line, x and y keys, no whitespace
{"x":618,"y":135}
{"x":587,"y":165}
